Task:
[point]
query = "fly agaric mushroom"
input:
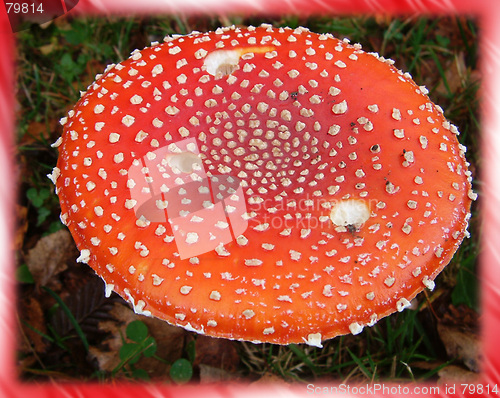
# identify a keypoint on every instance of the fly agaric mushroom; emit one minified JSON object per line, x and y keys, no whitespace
{"x":262,"y":184}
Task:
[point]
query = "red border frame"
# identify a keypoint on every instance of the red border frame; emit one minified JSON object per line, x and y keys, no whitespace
{"x":488,"y":13}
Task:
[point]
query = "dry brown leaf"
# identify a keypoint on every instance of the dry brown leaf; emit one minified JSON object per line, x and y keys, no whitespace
{"x":48,"y":48}
{"x":49,"y":256}
{"x":37,"y":131}
{"x":456,"y":75}
{"x":107,"y":354}
{"x":455,"y":374}
{"x":462,"y":344}
{"x":170,"y":342}
{"x":21,"y":227}
{"x":32,"y":315}
{"x":383,"y":19}
{"x":209,"y":374}
{"x":217,"y":353}
{"x":425,"y":365}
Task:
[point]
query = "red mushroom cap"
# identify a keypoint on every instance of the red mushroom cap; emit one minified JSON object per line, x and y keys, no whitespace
{"x":262,"y":184}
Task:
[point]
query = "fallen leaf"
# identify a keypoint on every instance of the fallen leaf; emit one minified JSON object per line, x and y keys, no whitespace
{"x":462,"y":345}
{"x":89,"y":307}
{"x":454,"y":374}
{"x":50,"y":255}
{"x":458,"y":332}
{"x":32,"y":320}
{"x":48,"y":48}
{"x":425,"y":365}
{"x":170,"y":342}
{"x":169,"y":339}
{"x":22,"y":226}
{"x":383,"y":19}
{"x":217,"y":353}
{"x":209,"y":374}
{"x":456,"y":75}
{"x":107,"y":353}
{"x":37,"y":132}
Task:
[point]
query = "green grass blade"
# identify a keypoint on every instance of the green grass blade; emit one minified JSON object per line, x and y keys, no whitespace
{"x":70,"y":316}
{"x":303,"y":357}
{"x":441,"y":72}
{"x":361,"y":365}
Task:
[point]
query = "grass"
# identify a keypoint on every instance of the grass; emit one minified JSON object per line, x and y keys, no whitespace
{"x":387,"y":351}
{"x":57,"y":61}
